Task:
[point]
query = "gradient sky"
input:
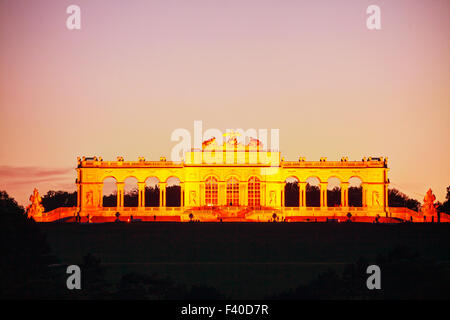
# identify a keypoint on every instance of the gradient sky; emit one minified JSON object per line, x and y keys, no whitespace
{"x":137,"y":70}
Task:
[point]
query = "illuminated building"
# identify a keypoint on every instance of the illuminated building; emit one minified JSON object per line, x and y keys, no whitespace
{"x":234,"y":181}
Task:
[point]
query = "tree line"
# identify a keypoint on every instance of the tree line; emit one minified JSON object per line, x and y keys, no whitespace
{"x":55,"y":199}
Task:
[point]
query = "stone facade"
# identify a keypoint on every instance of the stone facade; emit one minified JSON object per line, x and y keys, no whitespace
{"x":240,"y":176}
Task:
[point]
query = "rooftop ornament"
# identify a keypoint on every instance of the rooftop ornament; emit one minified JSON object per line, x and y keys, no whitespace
{"x":429,"y":208}
{"x":35,"y":209}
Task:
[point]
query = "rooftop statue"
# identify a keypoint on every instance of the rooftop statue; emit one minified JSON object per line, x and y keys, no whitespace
{"x":255,"y":142}
{"x":208,"y":142}
{"x":232,"y":137}
{"x":35,"y":209}
{"x":428,"y":208}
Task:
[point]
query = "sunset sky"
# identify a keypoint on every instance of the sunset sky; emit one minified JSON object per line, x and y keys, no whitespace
{"x":138,"y":70}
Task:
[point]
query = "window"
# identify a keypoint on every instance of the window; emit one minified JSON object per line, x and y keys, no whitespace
{"x":211,"y":191}
{"x":232,"y":192}
{"x":254,"y":194}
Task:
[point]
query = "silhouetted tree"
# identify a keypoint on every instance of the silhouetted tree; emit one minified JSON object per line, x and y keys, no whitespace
{"x":93,"y":280}
{"x":25,"y":255}
{"x":445,"y":207}
{"x":405,"y":275}
{"x":334,"y":197}
{"x":56,"y":199}
{"x":143,"y":286}
{"x":312,"y":196}
{"x":152,"y":196}
{"x":291,"y":194}
{"x":110,"y":200}
{"x":399,"y":199}
{"x":355,"y":196}
{"x":131,"y":198}
{"x":173,"y":196}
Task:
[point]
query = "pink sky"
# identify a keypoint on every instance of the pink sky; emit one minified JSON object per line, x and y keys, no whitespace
{"x":137,"y":70}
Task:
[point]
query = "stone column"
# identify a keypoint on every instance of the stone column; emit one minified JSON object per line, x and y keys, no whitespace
{"x":181,"y":194}
{"x":302,"y":194}
{"x":364,"y":194}
{"x":344,"y":194}
{"x":263,"y":194}
{"x":162,"y":194}
{"x":79,"y":189}
{"x":100,"y":194}
{"x":79,"y":195}
{"x":245,"y":193}
{"x":386,"y":193}
{"x":120,"y":193}
{"x":241,"y":193}
{"x":201,"y":196}
{"x":323,"y":194}
{"x":222,"y":193}
{"x":141,"y":194}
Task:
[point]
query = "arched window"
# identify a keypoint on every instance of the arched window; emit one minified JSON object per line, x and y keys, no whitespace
{"x":232,"y":192}
{"x":109,"y":192}
{"x":130,"y":197}
{"x":291,"y":192}
{"x":334,"y":192}
{"x":313,"y":192}
{"x":211,"y":192}
{"x":355,"y":192}
{"x":173,"y":192}
{"x":152,"y":192}
{"x":254,"y":194}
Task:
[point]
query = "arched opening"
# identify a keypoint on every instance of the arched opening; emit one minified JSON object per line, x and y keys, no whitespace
{"x":173,"y":192}
{"x":334,"y":192}
{"x":355,"y":192}
{"x":152,"y":192}
{"x":211,"y":192}
{"x":312,"y":192}
{"x":130,"y":192}
{"x":254,"y":192}
{"x":291,"y":195}
{"x":232,"y":192}
{"x":109,"y":192}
